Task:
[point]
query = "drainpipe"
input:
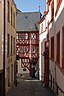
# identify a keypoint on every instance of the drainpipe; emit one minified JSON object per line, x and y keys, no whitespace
{"x":4,"y":53}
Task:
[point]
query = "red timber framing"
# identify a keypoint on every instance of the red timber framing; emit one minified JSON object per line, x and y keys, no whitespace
{"x":27,"y":47}
{"x":48,"y":2}
{"x":58,"y":2}
{"x":52,"y":11}
{"x":58,"y":48}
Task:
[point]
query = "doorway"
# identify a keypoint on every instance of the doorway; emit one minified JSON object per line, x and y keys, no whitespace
{"x":46,"y":64}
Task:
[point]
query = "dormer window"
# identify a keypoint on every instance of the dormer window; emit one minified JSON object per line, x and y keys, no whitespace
{"x":25,"y":17}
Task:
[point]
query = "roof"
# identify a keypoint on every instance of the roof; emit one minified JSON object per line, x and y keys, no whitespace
{"x":18,"y":11}
{"x":27,"y":21}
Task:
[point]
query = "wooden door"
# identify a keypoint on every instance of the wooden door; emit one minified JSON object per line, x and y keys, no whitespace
{"x":46,"y":64}
{"x":58,"y":47}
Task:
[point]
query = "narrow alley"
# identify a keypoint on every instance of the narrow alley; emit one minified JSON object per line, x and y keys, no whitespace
{"x":30,"y":87}
{"x":32,"y":48}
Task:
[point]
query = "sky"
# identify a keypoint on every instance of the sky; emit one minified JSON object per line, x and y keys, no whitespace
{"x":30,"y":5}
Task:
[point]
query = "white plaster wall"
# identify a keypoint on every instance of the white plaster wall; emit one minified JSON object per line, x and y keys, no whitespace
{"x":52,"y":68}
{"x":52,"y":65}
{"x":51,"y":34}
{"x":9,"y":29}
{"x":41,"y":58}
{"x":57,"y":26}
{"x":59,"y":78}
{"x":48,"y":16}
{"x":12,"y":58}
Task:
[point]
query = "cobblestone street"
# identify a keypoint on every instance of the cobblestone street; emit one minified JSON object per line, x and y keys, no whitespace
{"x":30,"y":88}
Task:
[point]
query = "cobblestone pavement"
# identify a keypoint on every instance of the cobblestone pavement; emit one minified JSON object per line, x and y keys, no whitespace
{"x":30,"y":88}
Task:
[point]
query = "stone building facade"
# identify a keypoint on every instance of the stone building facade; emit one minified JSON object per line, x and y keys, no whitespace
{"x":7,"y":38}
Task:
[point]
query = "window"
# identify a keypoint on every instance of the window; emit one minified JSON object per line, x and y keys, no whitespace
{"x":21,"y":36}
{"x":8,"y":42}
{"x":52,"y":10}
{"x":33,"y":49}
{"x":52,"y":48}
{"x":11,"y":16}
{"x":58,"y":48}
{"x":26,"y":36}
{"x":12,"y":72}
{"x":21,"y":49}
{"x":25,"y":49}
{"x":63,"y":47}
{"x":8,"y":11}
{"x":14,"y":20}
{"x":16,"y":36}
{"x":11,"y":45}
{"x":24,"y":69}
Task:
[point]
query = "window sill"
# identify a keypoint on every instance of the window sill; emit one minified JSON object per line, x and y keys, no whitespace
{"x":52,"y":19}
